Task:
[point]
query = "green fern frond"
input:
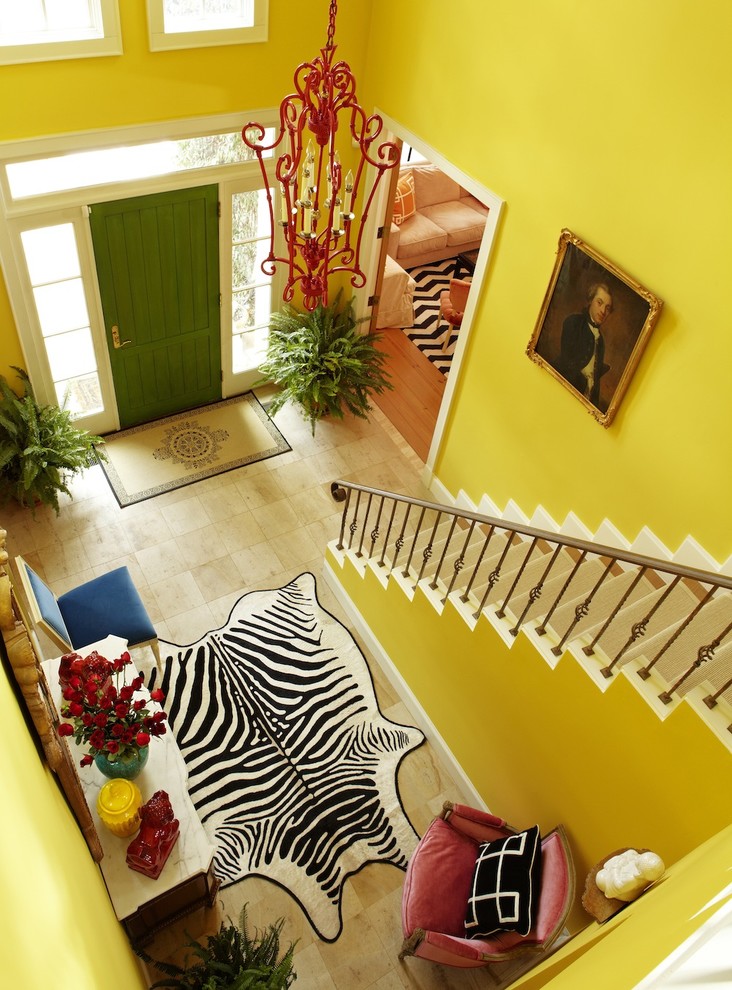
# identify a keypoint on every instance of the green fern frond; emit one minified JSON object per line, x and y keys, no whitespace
{"x":235,"y":958}
{"x":39,"y":447}
{"x":322,"y":363}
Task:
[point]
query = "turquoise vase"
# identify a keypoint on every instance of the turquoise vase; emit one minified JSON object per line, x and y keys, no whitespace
{"x":129,"y":767}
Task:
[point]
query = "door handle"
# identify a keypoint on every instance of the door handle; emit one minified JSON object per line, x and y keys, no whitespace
{"x":116,"y":341}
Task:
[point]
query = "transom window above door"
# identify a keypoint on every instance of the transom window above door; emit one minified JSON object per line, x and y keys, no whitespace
{"x":83,"y":169}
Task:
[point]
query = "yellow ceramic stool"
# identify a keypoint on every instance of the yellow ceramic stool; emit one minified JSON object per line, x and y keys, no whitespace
{"x":118,"y":805}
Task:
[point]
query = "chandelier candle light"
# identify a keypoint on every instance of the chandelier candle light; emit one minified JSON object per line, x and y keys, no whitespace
{"x":322,"y":232}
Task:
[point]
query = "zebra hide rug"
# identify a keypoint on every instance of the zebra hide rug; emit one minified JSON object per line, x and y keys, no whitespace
{"x":292,"y":767}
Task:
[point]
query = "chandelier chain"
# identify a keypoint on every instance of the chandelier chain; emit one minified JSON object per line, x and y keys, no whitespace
{"x":332,"y":24}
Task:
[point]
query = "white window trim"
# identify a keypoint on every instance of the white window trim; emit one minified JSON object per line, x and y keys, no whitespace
{"x":161,"y":41}
{"x":233,"y":383}
{"x":45,"y":147}
{"x":52,"y":51}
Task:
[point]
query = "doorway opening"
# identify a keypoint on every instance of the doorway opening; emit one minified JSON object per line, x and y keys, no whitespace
{"x":439,"y":225}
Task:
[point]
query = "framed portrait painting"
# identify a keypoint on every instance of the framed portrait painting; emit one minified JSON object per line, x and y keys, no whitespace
{"x":593,"y":325}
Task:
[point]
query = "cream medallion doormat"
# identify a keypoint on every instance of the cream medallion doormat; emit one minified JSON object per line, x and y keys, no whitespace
{"x":169,"y":453}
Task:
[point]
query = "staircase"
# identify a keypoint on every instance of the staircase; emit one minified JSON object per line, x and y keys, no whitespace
{"x":664,"y":625}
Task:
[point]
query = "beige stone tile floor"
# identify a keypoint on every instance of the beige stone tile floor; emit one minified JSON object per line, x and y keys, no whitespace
{"x":192,"y":553}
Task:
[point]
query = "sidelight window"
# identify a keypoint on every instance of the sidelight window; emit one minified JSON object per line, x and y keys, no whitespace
{"x":54,"y":270}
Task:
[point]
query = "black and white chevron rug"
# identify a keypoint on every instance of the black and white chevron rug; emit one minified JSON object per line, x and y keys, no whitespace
{"x":431,"y":281}
{"x":292,"y":767}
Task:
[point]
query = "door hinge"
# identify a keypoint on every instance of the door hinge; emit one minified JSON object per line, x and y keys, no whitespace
{"x":221,"y":374}
{"x":219,"y":300}
{"x":218,"y":209}
{"x":373,"y":300}
{"x":379,"y":233}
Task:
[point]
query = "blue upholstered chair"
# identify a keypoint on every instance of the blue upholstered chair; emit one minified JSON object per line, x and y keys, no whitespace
{"x":109,"y":605}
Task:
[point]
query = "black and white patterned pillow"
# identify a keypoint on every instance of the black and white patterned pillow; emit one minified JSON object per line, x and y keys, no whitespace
{"x":505,"y":888}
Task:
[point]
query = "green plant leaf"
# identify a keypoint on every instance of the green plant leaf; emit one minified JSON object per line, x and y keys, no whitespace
{"x":235,"y":958}
{"x":321,"y":362}
{"x":39,"y":447}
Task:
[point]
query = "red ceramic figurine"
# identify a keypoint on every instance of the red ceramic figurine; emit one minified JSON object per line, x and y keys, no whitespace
{"x":159,"y":830}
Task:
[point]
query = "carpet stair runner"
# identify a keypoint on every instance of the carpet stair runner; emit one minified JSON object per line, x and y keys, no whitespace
{"x":431,"y":280}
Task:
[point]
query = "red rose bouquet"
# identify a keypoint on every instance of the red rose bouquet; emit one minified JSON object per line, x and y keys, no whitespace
{"x":102,"y":711}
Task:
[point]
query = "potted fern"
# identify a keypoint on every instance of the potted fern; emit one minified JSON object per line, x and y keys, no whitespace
{"x":235,"y":958}
{"x":40,"y":448}
{"x":322,"y":362}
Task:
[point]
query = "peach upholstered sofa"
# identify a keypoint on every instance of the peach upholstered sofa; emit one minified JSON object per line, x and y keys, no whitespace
{"x":433,"y":217}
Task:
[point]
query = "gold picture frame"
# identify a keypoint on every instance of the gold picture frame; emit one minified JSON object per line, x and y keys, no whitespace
{"x":595,"y":360}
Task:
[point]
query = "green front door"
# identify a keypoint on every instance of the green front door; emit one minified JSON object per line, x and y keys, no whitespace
{"x":157,"y":261}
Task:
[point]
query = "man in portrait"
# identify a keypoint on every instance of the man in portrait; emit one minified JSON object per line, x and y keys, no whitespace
{"x":582,"y":354}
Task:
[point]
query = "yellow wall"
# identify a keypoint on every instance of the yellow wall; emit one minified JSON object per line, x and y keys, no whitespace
{"x":10,"y":352}
{"x":59,"y":928}
{"x":606,"y":119}
{"x":544,"y":746}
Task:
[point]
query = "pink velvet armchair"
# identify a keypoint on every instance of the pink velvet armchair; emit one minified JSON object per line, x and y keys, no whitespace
{"x":438,"y":885}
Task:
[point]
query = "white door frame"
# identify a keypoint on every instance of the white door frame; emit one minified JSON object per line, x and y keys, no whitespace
{"x":495,"y":205}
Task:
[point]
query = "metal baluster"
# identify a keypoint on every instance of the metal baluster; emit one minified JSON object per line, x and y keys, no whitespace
{"x":535,"y":593}
{"x":354,"y":522}
{"x":502,"y":610}
{"x":711,"y":700}
{"x":705,"y":654}
{"x":394,"y":504}
{"x":589,"y":650}
{"x":347,"y":496}
{"x":645,"y":672}
{"x":405,"y":572}
{"x":359,"y":552}
{"x":427,"y":552}
{"x":375,"y":530}
{"x":458,"y":565}
{"x":581,"y":611}
{"x":433,"y":585}
{"x":464,"y":596}
{"x":541,"y":630}
{"x":639,"y":628}
{"x":400,"y":539}
{"x":494,"y":576}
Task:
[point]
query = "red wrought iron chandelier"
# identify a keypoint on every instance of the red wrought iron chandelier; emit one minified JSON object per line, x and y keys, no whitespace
{"x":319,"y":216}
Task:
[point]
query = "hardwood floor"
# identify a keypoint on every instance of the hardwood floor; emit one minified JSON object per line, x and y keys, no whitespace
{"x":413,"y":405}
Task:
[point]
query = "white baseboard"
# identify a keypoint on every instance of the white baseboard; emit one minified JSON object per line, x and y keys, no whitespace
{"x":402,"y":688}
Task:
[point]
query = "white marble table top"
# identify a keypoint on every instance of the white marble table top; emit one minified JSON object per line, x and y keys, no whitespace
{"x":165,"y":770}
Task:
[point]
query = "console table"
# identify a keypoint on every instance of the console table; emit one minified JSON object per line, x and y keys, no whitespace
{"x":142,"y":905}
